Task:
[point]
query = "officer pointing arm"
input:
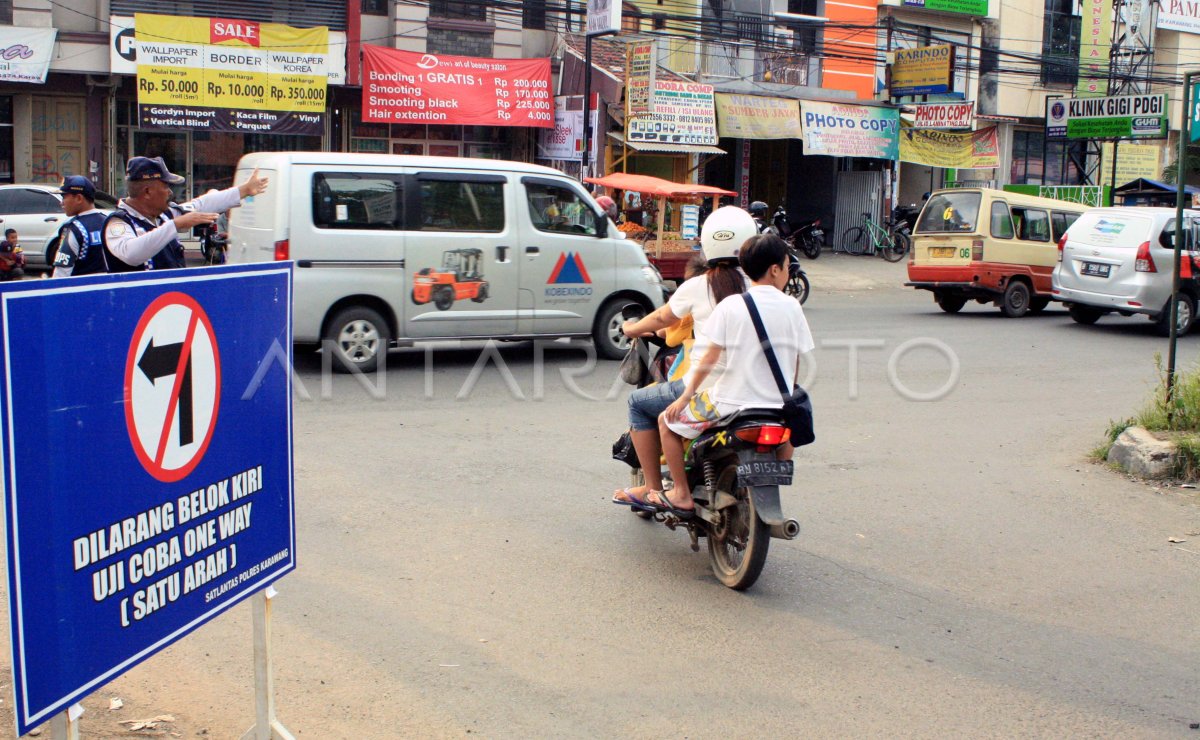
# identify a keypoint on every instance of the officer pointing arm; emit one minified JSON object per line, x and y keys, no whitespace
{"x":143,"y":232}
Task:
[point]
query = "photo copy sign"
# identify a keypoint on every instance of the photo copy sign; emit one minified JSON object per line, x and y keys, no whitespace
{"x":409,"y":87}
{"x":147,"y":465}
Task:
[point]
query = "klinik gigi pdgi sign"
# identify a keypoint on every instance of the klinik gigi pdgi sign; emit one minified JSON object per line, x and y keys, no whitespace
{"x":1122,"y":116}
{"x":169,"y":497}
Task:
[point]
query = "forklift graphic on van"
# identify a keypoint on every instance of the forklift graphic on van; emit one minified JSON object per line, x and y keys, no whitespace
{"x":457,"y":279}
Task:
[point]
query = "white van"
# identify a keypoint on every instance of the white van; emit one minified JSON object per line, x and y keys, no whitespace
{"x":392,"y":249}
{"x":1121,"y":260}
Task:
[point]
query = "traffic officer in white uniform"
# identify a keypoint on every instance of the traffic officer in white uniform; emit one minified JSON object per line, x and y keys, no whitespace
{"x":142,"y":234}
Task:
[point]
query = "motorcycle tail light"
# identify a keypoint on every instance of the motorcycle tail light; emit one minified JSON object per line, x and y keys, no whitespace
{"x":769,"y":435}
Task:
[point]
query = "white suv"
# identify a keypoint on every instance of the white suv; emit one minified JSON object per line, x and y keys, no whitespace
{"x":35,"y":211}
{"x":1119,"y":260}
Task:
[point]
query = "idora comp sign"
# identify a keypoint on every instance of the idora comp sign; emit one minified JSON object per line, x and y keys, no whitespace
{"x":147,"y":465}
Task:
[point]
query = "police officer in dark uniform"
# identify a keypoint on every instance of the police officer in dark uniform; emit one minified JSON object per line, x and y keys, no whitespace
{"x":142,"y":234}
{"x":79,"y":249}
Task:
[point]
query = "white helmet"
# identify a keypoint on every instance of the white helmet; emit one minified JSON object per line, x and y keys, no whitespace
{"x":724,"y":233}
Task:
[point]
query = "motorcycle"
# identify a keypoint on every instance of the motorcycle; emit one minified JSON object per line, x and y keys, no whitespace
{"x":809,"y":237}
{"x":214,"y":244}
{"x":734,"y":475}
{"x":797,"y":285}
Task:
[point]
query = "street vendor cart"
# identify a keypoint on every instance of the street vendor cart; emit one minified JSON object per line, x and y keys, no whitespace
{"x":664,"y":245}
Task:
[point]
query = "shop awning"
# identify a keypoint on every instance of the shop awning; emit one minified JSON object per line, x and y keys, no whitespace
{"x":655,"y":186}
{"x":665,"y":148}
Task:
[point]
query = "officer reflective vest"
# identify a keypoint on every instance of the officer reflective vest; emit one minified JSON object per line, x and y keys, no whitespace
{"x":88,"y":229}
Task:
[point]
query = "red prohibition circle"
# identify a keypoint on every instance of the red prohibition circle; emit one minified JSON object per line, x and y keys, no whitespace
{"x":153,"y":468}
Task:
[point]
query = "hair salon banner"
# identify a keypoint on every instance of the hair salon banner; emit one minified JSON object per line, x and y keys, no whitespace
{"x":970,"y":150}
{"x":221,"y":74}
{"x":25,"y":53}
{"x":840,"y":130}
{"x":410,"y":87}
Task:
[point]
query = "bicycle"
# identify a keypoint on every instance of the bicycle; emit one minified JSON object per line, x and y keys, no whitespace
{"x":887,"y":240}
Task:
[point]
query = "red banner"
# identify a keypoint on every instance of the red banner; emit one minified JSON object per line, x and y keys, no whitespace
{"x":409,"y":87}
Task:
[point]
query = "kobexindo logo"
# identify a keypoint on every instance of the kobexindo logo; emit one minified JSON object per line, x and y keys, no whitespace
{"x":223,"y":29}
{"x":569,"y":278}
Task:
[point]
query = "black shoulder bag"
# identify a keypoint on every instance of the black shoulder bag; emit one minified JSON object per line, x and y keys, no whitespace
{"x":797,"y":407}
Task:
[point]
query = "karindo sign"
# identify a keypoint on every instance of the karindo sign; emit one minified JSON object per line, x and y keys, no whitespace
{"x":943,"y":115}
{"x":926,"y":70}
{"x":410,"y":87}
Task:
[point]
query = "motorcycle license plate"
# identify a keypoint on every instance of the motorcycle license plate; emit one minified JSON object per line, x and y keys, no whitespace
{"x":765,"y":473}
{"x":818,"y":233}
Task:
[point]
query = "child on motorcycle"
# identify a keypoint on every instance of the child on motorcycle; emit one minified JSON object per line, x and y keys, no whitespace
{"x":747,"y":381}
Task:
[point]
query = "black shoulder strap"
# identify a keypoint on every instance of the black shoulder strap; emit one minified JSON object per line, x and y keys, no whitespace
{"x":766,"y":345}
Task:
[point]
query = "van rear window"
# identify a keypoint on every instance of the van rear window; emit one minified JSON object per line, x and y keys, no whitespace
{"x":353,"y":200}
{"x":950,"y":213}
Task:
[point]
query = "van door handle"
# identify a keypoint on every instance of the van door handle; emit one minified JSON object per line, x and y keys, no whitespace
{"x":502,"y":254}
{"x":50,"y":219}
{"x":532,"y":251}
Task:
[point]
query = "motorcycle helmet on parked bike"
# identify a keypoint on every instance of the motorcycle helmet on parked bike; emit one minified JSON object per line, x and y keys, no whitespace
{"x":724,"y":233}
{"x":758,"y":209}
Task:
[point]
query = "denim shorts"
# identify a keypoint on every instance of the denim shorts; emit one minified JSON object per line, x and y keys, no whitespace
{"x":645,"y":404}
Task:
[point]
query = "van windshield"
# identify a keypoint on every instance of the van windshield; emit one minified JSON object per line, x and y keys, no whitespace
{"x":950,"y":213}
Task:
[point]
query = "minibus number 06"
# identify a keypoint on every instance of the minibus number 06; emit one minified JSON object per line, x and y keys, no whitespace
{"x":964,"y":252}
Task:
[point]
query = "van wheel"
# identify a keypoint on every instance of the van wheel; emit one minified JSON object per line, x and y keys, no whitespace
{"x":1015,"y":303}
{"x":611,"y":344}
{"x":1037,"y":304}
{"x":1186,"y":314}
{"x":481,"y":294}
{"x":358,"y":337}
{"x":1085,"y":315}
{"x":444,"y":298}
{"x":949,"y":303}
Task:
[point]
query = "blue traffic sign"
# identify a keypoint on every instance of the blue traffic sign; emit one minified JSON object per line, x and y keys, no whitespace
{"x":146,"y":435}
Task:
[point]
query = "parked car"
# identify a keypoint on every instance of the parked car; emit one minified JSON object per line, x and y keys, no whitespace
{"x":35,"y":211}
{"x":1120,"y":259}
{"x":390,"y":249}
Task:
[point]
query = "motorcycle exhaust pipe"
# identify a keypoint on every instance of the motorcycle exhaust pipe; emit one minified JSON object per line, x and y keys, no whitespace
{"x":785,"y":530}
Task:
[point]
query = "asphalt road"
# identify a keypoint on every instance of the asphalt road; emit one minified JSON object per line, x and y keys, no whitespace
{"x":962,"y":568}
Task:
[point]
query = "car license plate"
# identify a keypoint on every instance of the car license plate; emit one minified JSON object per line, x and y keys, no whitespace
{"x":1095,"y":268}
{"x":765,"y":473}
{"x":818,"y":234}
{"x":941,"y":252}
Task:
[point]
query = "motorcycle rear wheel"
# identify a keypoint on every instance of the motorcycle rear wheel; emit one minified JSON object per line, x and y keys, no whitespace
{"x":811,"y":247}
{"x":738,"y":546}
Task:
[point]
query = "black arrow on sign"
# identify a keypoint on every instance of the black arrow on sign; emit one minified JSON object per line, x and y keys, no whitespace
{"x":162,"y":361}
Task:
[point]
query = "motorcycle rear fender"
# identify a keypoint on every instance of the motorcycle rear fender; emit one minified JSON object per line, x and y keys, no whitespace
{"x":766,"y":498}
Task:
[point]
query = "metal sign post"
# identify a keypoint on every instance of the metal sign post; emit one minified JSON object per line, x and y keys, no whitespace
{"x":1185,"y":117}
{"x":266,"y":726}
{"x":603,"y":19}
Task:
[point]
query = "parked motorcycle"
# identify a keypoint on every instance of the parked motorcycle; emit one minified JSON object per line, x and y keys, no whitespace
{"x":797,"y":284}
{"x":214,"y":243}
{"x":809,"y":238}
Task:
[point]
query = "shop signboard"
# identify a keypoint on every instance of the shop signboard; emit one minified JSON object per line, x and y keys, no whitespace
{"x":964,"y":7}
{"x":967,"y":150}
{"x":122,"y":50}
{"x":564,"y":142}
{"x":1118,"y":117}
{"x":843,"y":130}
{"x":757,"y":117}
{"x":689,"y":222}
{"x":1179,"y":15}
{"x":1133,"y":161}
{"x":1095,"y":46}
{"x":641,"y":61}
{"x":170,"y":498}
{"x":1194,"y":126}
{"x":943,"y":116}
{"x":219,"y":74}
{"x":924,"y":70}
{"x":410,"y":87}
{"x":25,"y":53}
{"x":603,"y":17}
{"x":684,"y":113}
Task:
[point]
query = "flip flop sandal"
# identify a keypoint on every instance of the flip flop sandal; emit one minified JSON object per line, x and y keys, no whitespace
{"x":666,"y":508}
{"x":631,"y":500}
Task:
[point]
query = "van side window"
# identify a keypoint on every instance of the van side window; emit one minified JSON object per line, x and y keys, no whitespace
{"x":1032,"y":224}
{"x":353,"y":200}
{"x":461,"y":205}
{"x":559,"y":209}
{"x":1061,"y":222}
{"x":1002,"y":226}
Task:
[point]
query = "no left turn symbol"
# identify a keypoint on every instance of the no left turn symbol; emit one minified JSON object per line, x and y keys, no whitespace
{"x":172,"y":386}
